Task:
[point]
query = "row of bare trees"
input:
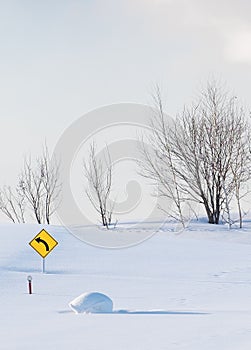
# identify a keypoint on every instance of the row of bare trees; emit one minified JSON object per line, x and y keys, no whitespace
{"x":37,"y":192}
{"x":201,"y":158}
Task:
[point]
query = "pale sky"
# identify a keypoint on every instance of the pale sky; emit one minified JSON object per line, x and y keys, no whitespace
{"x":61,"y":59}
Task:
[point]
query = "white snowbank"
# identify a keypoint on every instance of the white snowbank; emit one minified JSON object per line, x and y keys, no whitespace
{"x":93,"y":302}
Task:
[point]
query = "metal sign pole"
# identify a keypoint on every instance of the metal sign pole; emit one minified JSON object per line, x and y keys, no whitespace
{"x":43,"y":265}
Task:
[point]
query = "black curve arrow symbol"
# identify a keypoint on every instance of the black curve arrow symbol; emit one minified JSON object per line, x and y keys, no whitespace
{"x":38,"y":240}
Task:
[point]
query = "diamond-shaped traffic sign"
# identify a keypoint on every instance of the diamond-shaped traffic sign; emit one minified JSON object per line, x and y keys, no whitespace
{"x":43,"y":243}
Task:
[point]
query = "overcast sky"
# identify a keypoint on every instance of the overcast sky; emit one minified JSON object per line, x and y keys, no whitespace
{"x":60,"y":59}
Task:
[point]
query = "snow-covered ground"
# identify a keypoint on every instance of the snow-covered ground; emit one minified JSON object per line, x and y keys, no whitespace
{"x":190,"y":290}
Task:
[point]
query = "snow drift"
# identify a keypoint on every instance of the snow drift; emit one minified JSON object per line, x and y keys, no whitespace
{"x":93,"y":302}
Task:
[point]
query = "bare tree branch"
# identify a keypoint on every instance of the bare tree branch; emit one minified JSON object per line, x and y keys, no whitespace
{"x":12,"y":204}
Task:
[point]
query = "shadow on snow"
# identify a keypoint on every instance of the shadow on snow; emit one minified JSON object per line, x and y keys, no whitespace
{"x":145,"y":312}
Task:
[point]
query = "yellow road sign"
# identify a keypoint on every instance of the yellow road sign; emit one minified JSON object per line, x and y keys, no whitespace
{"x":43,"y":243}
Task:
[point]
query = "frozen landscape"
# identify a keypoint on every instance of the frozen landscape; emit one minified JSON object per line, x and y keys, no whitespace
{"x":187,"y":291}
{"x":117,"y":113}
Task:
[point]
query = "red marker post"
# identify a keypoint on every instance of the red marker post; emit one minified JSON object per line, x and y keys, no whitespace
{"x":29,"y":279}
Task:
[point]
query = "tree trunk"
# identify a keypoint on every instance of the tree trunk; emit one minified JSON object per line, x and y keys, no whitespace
{"x":239,"y":206}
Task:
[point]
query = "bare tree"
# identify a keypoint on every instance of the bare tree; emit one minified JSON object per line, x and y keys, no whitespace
{"x":49,"y":170}
{"x":40,"y":185}
{"x":99,"y":175}
{"x":203,"y":145}
{"x":12,"y":204}
{"x":241,"y":171}
{"x":31,"y":184}
{"x":159,"y":164}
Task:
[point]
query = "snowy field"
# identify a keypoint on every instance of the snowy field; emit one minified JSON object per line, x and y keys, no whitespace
{"x":174,"y":291}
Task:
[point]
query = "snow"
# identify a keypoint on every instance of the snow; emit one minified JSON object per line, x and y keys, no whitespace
{"x":189,"y":290}
{"x":92,"y":302}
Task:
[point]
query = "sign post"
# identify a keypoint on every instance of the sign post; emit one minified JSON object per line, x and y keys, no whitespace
{"x":43,"y":265}
{"x":43,"y":243}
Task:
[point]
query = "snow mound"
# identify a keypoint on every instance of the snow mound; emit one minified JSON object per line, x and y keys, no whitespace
{"x":93,"y":302}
